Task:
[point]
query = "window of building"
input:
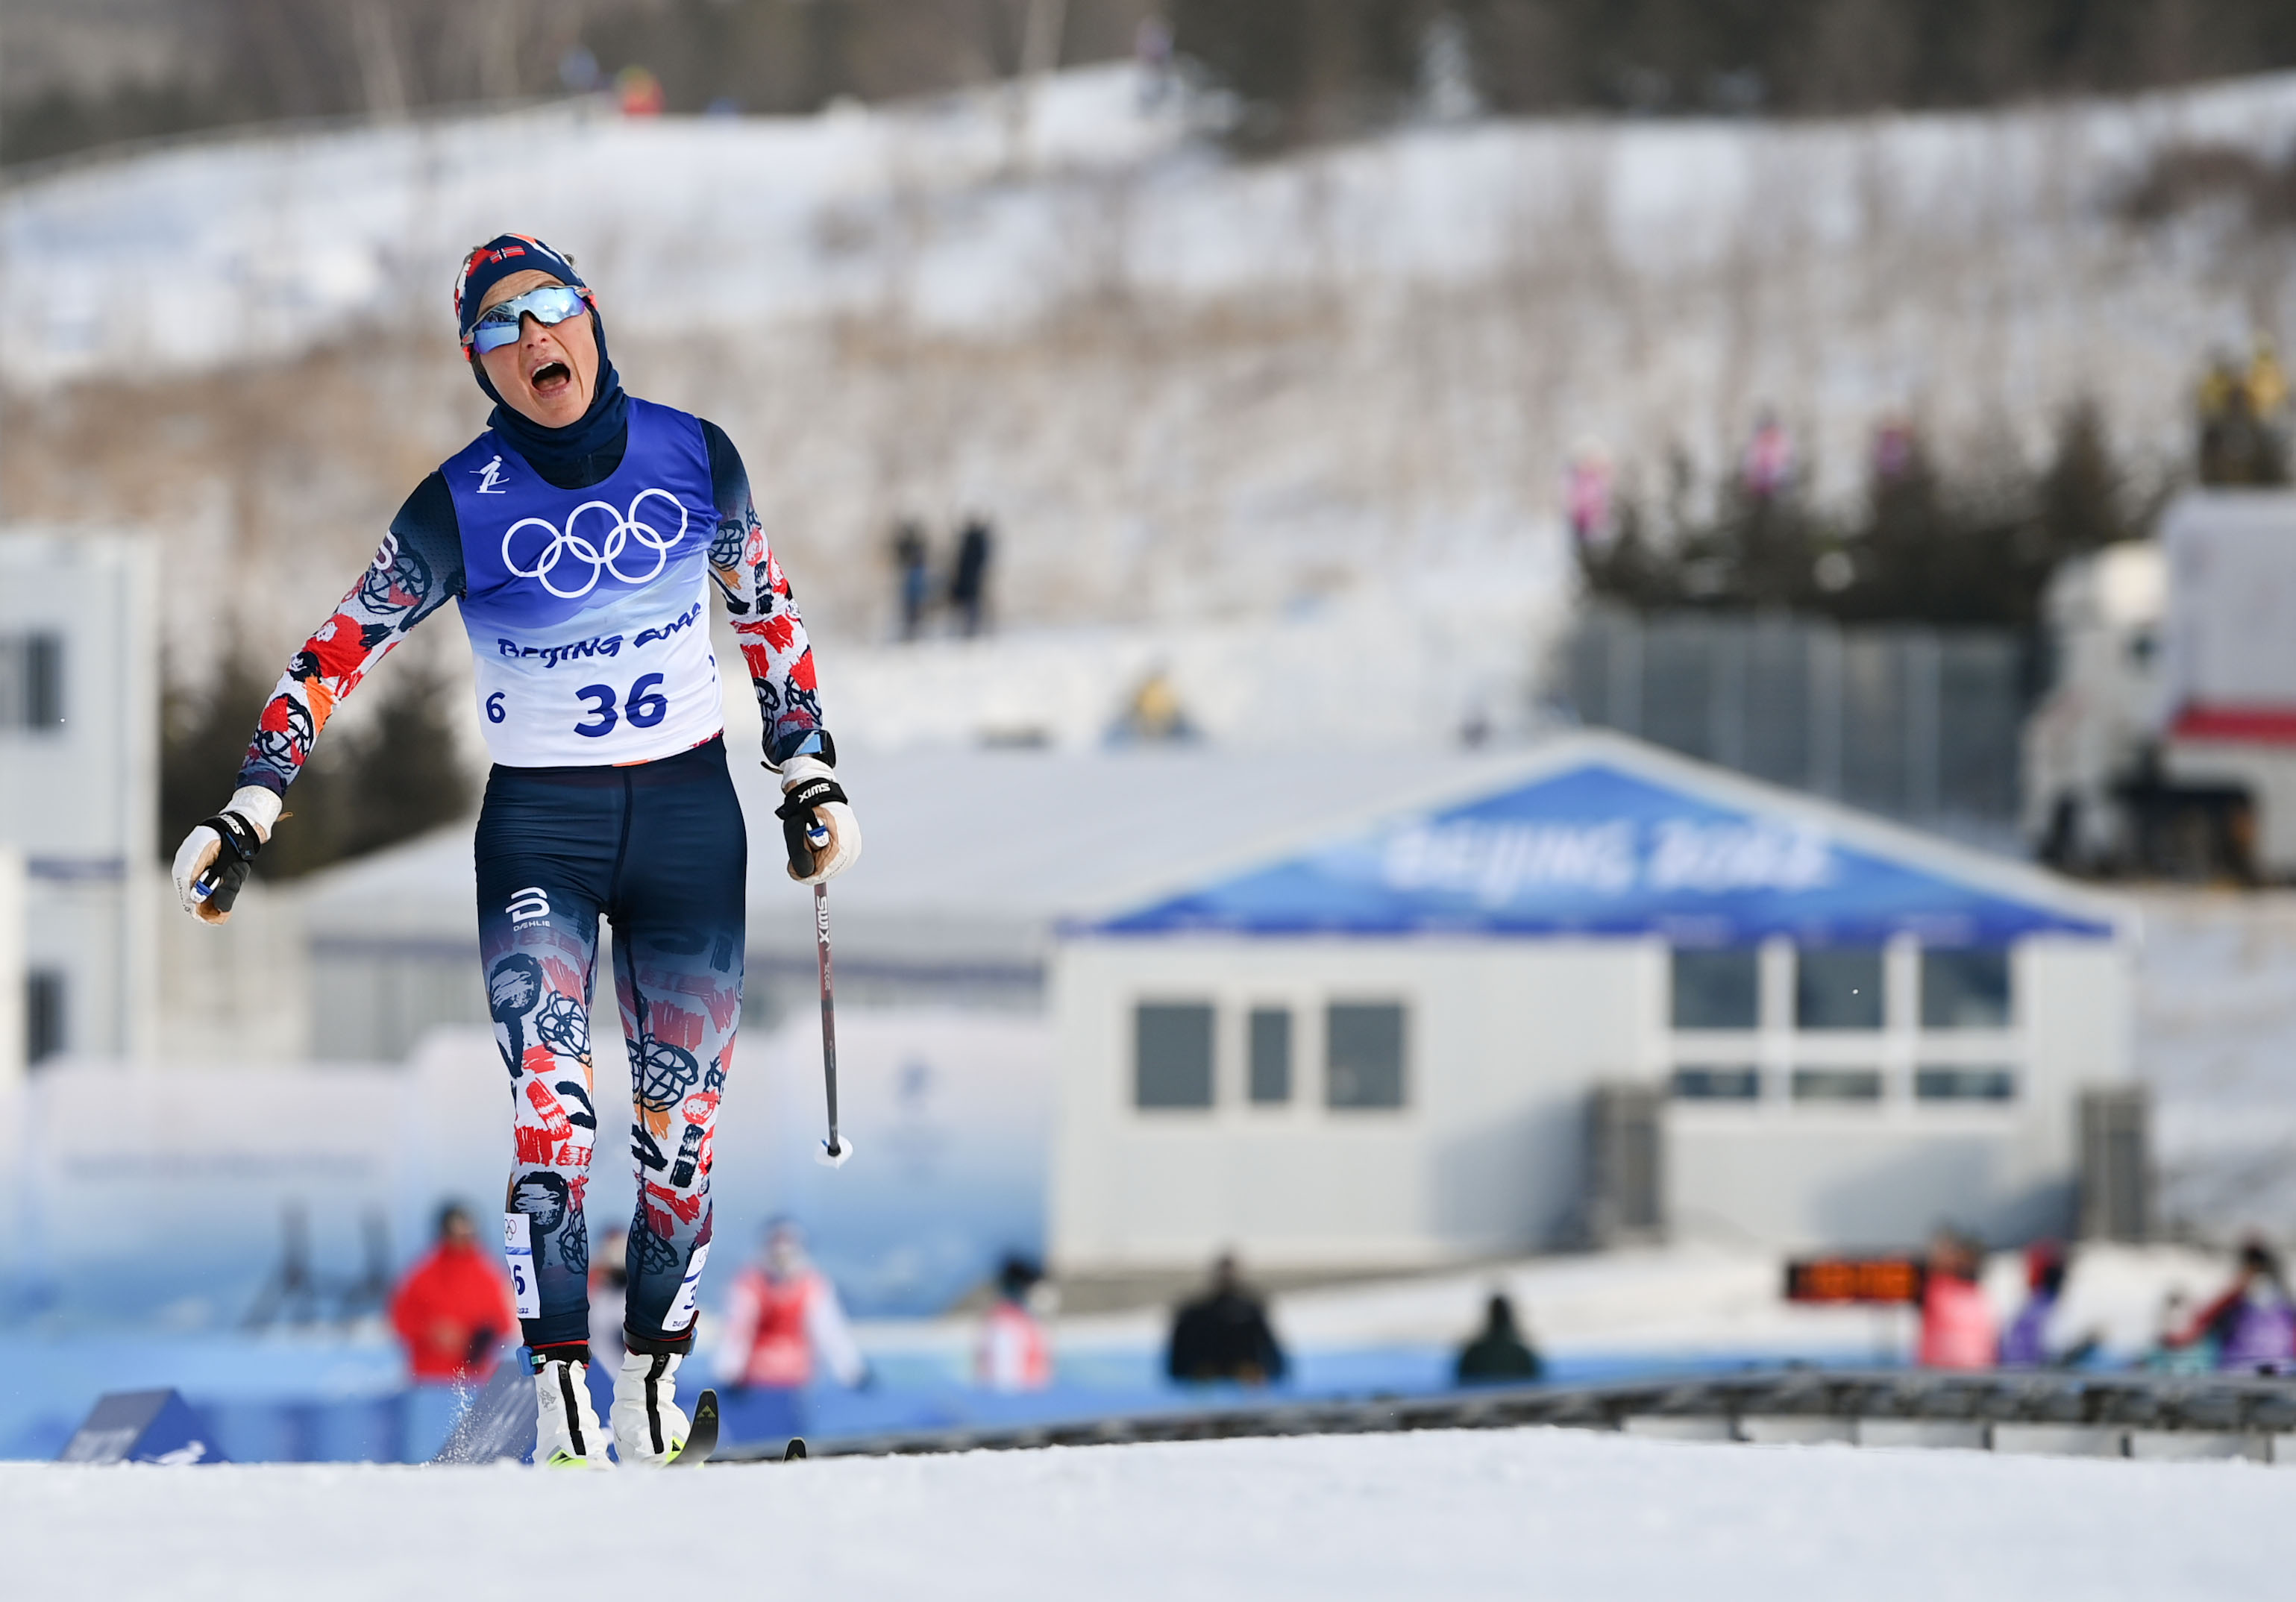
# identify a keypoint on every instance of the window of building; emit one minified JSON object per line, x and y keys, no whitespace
{"x":1837,"y":1085}
{"x":1964,"y":1084}
{"x":1172,"y":1054}
{"x":1838,"y":987}
{"x":31,"y":681}
{"x":43,"y":1014}
{"x":1270,"y":1052}
{"x":1717,"y":990}
{"x":1965,"y":989}
{"x":1702,"y":1083}
{"x":1363,"y":1054}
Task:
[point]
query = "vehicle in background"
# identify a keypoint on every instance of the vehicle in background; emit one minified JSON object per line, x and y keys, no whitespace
{"x":2167,"y":742}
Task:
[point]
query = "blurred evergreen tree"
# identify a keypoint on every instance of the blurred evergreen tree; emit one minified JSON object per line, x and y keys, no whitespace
{"x":360,"y":791}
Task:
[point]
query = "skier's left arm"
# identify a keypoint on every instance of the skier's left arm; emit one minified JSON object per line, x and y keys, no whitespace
{"x":780,"y":658}
{"x":831,"y":1336}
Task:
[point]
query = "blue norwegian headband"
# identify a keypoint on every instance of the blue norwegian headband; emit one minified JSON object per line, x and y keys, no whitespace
{"x":495,"y":260}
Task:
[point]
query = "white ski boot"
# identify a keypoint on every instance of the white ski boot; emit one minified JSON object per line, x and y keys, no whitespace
{"x":566,"y":1432}
{"x":649,"y":1427}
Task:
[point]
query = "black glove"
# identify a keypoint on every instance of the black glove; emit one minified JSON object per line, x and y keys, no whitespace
{"x":229,"y":871}
{"x":796,"y":814}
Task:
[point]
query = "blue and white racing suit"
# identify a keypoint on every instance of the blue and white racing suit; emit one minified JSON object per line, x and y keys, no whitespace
{"x":586,"y":607}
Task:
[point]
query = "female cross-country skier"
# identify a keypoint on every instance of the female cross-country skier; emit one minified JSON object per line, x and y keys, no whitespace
{"x":579,"y":534}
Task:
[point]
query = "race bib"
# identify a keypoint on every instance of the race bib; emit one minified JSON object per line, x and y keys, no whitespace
{"x":681,"y":1311}
{"x":518,"y":1251}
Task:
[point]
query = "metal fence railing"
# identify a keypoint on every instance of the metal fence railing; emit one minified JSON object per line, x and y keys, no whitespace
{"x":2134,"y":1414}
{"x":1912,"y":721}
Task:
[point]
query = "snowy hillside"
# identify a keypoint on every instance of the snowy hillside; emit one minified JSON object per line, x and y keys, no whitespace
{"x":1454,"y":1516}
{"x":1188,"y":390}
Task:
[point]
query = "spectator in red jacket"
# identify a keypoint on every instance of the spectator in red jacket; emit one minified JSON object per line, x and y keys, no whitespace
{"x":452,"y":1308}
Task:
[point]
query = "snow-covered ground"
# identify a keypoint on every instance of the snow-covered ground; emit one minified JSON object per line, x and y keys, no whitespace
{"x":1441,"y":1517}
{"x":2215,"y":1039}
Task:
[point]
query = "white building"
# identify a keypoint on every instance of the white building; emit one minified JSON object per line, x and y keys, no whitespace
{"x":79,"y":687}
{"x":1381,"y":1043}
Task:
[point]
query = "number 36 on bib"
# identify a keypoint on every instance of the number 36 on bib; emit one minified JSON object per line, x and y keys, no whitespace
{"x":644,"y":705}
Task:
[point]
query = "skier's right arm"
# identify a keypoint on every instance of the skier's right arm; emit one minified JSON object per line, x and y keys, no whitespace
{"x":418,"y":570}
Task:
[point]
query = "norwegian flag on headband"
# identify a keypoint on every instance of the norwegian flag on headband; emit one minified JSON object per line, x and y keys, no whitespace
{"x":495,"y":260}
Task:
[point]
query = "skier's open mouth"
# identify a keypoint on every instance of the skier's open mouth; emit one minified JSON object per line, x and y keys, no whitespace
{"x":549,"y":376}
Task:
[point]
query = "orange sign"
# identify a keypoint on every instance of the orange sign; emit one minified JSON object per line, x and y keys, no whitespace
{"x":1886,"y":1280}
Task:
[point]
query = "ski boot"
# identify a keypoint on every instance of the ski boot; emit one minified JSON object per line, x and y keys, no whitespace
{"x":566,"y":1432}
{"x":648,"y":1426}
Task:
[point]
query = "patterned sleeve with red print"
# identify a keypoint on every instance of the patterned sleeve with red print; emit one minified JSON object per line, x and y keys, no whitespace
{"x":418,"y":570}
{"x":765,"y":619}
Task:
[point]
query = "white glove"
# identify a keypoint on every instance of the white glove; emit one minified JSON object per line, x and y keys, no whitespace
{"x":234,"y":835}
{"x":812,"y":804}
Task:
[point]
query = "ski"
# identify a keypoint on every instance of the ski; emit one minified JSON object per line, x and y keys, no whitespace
{"x":700,"y":1435}
{"x":794,"y":1452}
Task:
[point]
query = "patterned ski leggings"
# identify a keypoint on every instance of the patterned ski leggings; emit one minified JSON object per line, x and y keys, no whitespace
{"x":658,"y":849}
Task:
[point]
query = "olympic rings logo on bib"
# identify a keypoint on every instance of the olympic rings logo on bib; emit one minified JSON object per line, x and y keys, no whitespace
{"x":569,"y":546}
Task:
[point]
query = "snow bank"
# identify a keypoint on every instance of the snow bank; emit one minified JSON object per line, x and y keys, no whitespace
{"x":1512,"y":1514}
{"x":1412,"y":664}
{"x":2215,"y":1039}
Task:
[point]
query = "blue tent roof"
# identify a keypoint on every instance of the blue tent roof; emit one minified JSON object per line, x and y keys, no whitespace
{"x":1597,"y":849}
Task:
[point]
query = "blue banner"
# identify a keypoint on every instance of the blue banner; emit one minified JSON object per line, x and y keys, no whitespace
{"x":1596,"y":850}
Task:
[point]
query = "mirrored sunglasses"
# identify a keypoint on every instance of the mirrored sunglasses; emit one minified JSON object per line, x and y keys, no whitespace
{"x":552,"y":304}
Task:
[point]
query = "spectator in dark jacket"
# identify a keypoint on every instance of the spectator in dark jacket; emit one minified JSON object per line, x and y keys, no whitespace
{"x":910,"y":563}
{"x":968,"y":586}
{"x":1498,"y":1353}
{"x":1223,"y":1334}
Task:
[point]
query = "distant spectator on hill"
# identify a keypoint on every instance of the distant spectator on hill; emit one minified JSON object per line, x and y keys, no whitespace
{"x":1498,"y":1353}
{"x":2251,"y":1327}
{"x":2237,"y":411}
{"x":452,"y":1308}
{"x":1896,"y":451}
{"x":1958,"y":1329}
{"x":1586,"y":485}
{"x":1152,"y":53}
{"x":913,"y":577}
{"x":1014,"y":1354}
{"x":1223,"y":1334}
{"x":1767,"y":471}
{"x":968,"y":586}
{"x":2267,"y":385}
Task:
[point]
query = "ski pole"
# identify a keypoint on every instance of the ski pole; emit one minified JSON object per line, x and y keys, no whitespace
{"x":835,"y":1149}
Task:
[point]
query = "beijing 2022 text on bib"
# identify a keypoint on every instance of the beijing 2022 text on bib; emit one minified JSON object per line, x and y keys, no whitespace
{"x":588,"y":610}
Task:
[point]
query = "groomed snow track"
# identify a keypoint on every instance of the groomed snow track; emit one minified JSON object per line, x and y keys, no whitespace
{"x":2059,"y":1413}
